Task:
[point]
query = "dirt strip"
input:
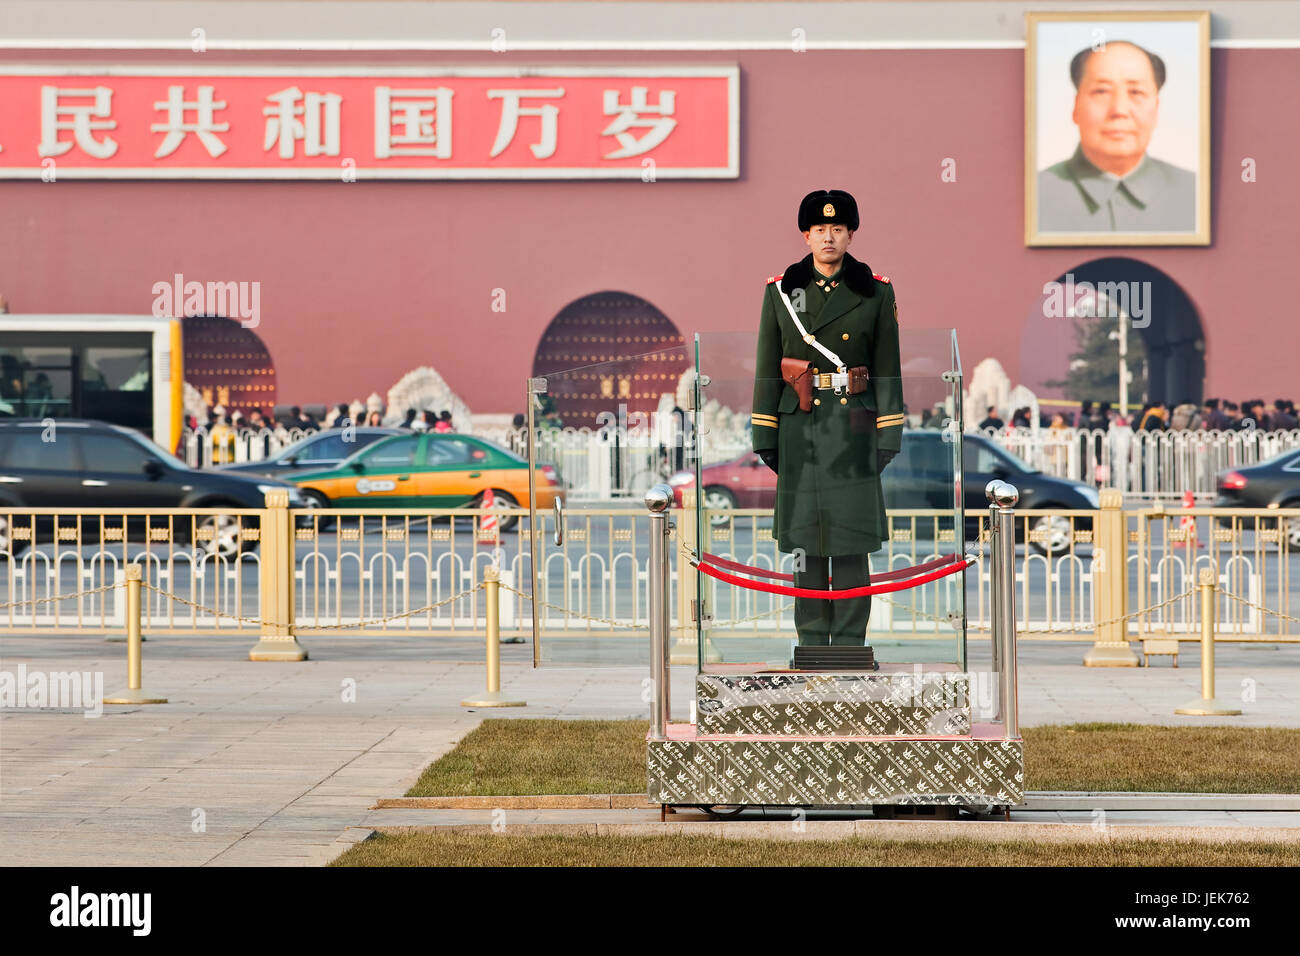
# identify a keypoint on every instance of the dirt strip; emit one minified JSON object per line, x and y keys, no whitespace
{"x":894,"y":830}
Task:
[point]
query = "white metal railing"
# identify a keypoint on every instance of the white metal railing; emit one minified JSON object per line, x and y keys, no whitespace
{"x":1143,"y":465}
{"x":616,"y":463}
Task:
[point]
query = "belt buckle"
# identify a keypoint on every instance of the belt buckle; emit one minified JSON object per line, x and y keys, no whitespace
{"x":840,"y":382}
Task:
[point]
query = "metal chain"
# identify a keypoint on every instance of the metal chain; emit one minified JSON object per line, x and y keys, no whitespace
{"x":1115,"y":620}
{"x":568,"y":610}
{"x":315,"y":627}
{"x":58,"y":597}
{"x":753,"y":617}
{"x":1258,"y":607}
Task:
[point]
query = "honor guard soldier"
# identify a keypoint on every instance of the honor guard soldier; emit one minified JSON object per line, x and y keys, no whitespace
{"x":828,"y":414}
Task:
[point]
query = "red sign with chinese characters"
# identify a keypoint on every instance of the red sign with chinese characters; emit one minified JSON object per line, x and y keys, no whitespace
{"x":545,"y":123}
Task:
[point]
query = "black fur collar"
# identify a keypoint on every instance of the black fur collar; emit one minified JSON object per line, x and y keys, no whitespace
{"x":857,"y":276}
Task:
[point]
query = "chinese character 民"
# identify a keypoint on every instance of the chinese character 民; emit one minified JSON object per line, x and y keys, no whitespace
{"x":318,"y":127}
{"x":423,"y":118}
{"x":77,"y":117}
{"x":511,"y":110}
{"x":629,"y":116}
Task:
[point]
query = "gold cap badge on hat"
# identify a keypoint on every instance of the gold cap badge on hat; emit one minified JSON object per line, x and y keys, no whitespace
{"x":828,"y":210}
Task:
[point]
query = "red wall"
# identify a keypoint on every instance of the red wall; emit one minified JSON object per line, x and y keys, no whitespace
{"x":363,"y":281}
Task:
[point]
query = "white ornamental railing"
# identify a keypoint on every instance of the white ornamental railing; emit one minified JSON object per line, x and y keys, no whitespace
{"x":605,"y":463}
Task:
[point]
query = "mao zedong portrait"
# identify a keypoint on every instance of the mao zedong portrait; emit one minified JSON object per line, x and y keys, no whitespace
{"x":1111,"y":183}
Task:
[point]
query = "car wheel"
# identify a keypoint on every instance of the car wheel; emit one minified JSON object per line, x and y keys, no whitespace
{"x":315,"y":502}
{"x":7,"y":537}
{"x":719,"y":499}
{"x":1290,"y":529}
{"x":218,"y":535}
{"x":504,"y":499}
{"x":1050,"y":530}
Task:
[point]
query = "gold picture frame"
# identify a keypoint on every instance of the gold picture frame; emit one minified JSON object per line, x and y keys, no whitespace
{"x":1135,"y":100}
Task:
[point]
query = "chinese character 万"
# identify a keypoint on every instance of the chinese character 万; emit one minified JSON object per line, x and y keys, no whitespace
{"x":629,"y":116}
{"x":318,"y":128}
{"x":423,"y":118}
{"x":511,"y":110}
{"x":76,"y":117}
{"x":203,"y":126}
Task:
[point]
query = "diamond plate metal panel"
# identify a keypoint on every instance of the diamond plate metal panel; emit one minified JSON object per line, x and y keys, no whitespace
{"x":835,"y":772}
{"x":834,"y":705}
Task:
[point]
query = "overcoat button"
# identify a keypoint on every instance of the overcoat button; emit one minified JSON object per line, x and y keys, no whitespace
{"x":817,"y":401}
{"x":844,"y":401}
{"x":845,"y":336}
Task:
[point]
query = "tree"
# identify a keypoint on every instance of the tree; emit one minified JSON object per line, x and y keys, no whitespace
{"x":1094,"y":365}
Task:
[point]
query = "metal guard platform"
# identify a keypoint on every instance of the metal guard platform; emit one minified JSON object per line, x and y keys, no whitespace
{"x":813,"y":739}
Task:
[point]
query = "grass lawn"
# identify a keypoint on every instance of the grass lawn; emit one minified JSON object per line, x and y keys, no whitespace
{"x":463,"y":849}
{"x":520,"y":757}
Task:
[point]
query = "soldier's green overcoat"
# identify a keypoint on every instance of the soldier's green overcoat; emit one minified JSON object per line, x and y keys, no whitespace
{"x":828,"y":494}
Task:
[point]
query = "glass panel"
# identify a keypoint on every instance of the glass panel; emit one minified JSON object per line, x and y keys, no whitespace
{"x":115,"y":384}
{"x":396,"y":452}
{"x":606,"y":432}
{"x":830,"y":504}
{"x":36,"y":381}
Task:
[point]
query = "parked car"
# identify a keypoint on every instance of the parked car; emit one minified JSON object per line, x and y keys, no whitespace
{"x":920,"y":476}
{"x":431,"y":470}
{"x":317,"y":452}
{"x":76,"y":463}
{"x":1273,"y":483}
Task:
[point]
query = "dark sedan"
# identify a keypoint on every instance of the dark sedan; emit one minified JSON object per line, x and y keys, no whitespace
{"x":1273,"y":483}
{"x":316,"y":452}
{"x":921,"y":476}
{"x":95,"y":466}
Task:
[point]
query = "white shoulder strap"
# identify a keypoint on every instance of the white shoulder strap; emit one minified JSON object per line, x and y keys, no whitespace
{"x":804,"y":333}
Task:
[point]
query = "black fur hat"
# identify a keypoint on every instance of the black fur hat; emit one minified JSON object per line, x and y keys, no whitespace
{"x":828,"y":205}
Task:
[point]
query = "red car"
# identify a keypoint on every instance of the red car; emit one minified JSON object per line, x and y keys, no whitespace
{"x":743,"y":482}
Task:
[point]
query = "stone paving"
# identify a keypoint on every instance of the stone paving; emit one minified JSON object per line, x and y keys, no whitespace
{"x":280,"y":764}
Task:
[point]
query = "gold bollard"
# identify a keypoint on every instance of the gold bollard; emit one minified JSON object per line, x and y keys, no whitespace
{"x":134,"y":663}
{"x":1207,"y":705}
{"x":493,"y":698}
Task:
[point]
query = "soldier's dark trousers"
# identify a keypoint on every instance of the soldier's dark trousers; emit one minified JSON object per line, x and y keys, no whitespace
{"x":821,"y":621}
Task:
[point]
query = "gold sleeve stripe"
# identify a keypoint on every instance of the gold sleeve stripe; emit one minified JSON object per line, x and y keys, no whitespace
{"x":767,"y":420}
{"x":890,"y":421}
{"x":763,"y":415}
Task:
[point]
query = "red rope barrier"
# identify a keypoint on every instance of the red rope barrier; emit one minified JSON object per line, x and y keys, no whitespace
{"x":863,"y":591}
{"x":780,"y":576}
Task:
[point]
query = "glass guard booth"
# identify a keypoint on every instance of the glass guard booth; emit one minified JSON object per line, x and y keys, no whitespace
{"x":685,"y":417}
{"x":834,"y":502}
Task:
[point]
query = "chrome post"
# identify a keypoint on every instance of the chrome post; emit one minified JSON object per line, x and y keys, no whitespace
{"x":536,"y":386}
{"x":995,"y":572}
{"x":657,"y":500}
{"x":1005,"y":495}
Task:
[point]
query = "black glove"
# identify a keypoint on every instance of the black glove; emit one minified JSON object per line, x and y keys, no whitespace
{"x":883,"y":457}
{"x":769,"y":457}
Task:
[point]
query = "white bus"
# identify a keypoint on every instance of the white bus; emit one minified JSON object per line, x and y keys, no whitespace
{"x":124,"y":369}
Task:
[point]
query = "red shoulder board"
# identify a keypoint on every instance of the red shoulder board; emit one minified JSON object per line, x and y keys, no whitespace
{"x":880,"y":277}
{"x":771,"y":279}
